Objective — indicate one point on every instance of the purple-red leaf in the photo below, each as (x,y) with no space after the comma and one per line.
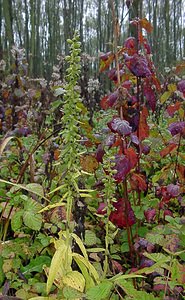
(123,214)
(110,140)
(138,65)
(120,126)
(150,97)
(130,43)
(150,214)
(173,190)
(177,127)
(181,86)
(123,167)
(100,153)
(125,163)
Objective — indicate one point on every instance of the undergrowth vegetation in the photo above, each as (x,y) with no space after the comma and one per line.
(92,205)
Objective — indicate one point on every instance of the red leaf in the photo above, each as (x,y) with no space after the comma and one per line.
(138,65)
(123,167)
(144,23)
(106,60)
(138,182)
(150,97)
(102,208)
(123,215)
(116,266)
(125,163)
(150,214)
(130,45)
(168,150)
(171,109)
(181,172)
(109,100)
(143,126)
(100,153)
(132,156)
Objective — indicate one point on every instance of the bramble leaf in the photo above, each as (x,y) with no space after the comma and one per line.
(120,126)
(168,149)
(138,65)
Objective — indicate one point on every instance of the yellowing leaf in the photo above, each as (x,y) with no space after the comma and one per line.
(59,266)
(172,87)
(165,96)
(88,265)
(75,280)
(6,141)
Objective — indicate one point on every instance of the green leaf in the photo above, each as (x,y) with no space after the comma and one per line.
(59,91)
(35,188)
(2,276)
(31,217)
(100,292)
(132,293)
(32,220)
(81,245)
(157,257)
(16,221)
(90,238)
(36,265)
(42,298)
(18,93)
(71,293)
(26,188)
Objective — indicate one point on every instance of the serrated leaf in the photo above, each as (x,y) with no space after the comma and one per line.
(100,292)
(20,186)
(32,220)
(35,188)
(32,205)
(133,293)
(71,293)
(157,257)
(16,220)
(31,217)
(90,238)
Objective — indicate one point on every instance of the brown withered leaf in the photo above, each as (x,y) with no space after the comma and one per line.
(88,163)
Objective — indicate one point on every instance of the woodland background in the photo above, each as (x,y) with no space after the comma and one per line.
(43,27)
(92,162)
